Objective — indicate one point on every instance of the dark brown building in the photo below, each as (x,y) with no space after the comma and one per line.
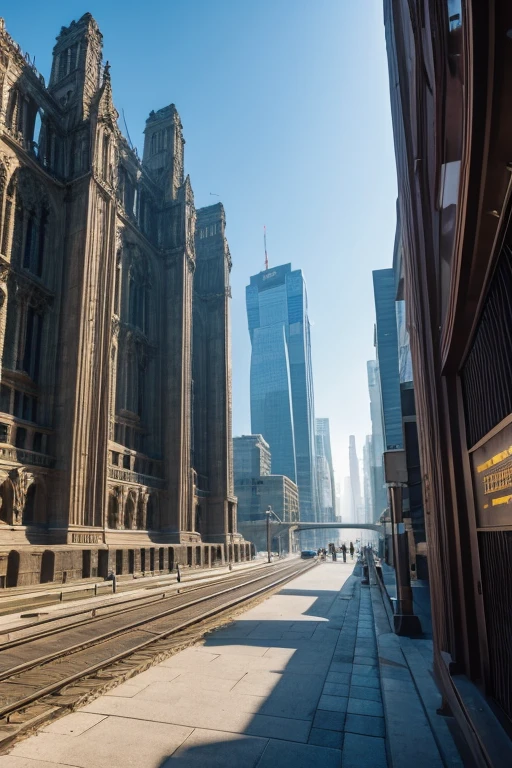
(450,65)
(115,402)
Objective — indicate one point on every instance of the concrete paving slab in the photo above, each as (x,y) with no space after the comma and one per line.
(74,725)
(279,728)
(336,689)
(367,726)
(217,749)
(365,681)
(289,755)
(359,692)
(333,703)
(341,678)
(361,750)
(10,761)
(332,721)
(324,738)
(364,707)
(113,743)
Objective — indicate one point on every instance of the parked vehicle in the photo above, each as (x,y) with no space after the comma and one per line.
(308,554)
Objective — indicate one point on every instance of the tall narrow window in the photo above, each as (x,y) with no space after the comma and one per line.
(105,159)
(141,390)
(32,351)
(41,243)
(30,237)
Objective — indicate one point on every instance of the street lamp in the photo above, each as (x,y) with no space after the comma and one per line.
(269,553)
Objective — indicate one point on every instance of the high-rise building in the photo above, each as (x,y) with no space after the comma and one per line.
(347,506)
(386,338)
(251,456)
(282,405)
(323,431)
(256,489)
(367,481)
(379,492)
(356,501)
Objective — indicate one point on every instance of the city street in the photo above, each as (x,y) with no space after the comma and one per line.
(310,676)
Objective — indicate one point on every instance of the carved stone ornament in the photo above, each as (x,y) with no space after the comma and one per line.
(21,481)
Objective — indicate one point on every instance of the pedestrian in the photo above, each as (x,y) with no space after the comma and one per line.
(351,550)
(344,552)
(334,555)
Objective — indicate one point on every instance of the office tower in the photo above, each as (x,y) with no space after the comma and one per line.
(346,510)
(355,482)
(323,430)
(386,338)
(256,489)
(369,513)
(379,492)
(282,406)
(251,456)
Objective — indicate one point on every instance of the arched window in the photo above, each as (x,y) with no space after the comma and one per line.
(113,511)
(29,509)
(11,109)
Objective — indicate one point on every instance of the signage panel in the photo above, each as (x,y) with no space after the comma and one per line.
(492,480)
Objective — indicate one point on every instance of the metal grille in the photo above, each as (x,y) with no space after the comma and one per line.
(495,558)
(487,373)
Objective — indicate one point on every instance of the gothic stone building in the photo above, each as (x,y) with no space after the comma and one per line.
(115,404)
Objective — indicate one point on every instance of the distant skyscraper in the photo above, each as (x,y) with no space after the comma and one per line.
(387,356)
(355,482)
(346,512)
(367,480)
(282,405)
(323,472)
(379,492)
(323,431)
(251,457)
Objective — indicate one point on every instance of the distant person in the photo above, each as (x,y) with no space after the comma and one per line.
(344,553)
(334,555)
(351,550)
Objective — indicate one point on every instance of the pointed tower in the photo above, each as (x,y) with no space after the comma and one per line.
(76,68)
(85,343)
(163,159)
(213,458)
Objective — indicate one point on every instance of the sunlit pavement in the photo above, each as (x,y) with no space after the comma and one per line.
(295,681)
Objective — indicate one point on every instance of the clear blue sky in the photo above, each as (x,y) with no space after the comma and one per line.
(285,108)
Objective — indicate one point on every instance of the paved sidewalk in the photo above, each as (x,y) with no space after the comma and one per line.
(294,681)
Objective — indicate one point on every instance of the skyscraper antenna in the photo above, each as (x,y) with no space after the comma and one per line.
(265,243)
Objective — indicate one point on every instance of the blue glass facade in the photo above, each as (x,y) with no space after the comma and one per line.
(282,405)
(387,356)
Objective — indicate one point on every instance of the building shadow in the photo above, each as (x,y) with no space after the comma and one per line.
(286,663)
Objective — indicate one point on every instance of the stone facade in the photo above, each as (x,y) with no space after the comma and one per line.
(115,404)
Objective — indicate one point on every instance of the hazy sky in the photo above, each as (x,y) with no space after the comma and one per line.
(285,108)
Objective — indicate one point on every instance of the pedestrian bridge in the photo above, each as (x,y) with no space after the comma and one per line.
(310,526)
(255,530)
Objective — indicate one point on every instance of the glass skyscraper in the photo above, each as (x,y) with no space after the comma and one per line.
(282,405)
(387,356)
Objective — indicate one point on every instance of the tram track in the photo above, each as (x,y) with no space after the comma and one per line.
(40,668)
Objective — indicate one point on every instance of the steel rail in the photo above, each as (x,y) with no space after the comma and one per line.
(119,607)
(55,686)
(114,614)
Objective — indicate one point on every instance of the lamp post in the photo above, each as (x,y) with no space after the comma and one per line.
(395,471)
(269,553)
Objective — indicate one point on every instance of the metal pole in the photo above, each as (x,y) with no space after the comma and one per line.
(405,621)
(269,553)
